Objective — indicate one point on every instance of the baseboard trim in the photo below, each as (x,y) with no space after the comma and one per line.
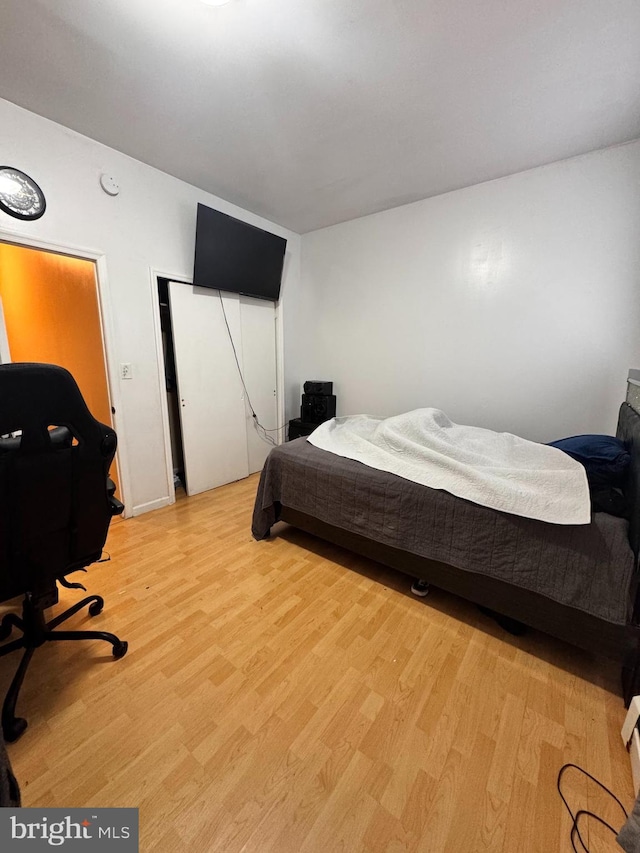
(151,505)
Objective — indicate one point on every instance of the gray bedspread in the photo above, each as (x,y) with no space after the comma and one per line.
(587,566)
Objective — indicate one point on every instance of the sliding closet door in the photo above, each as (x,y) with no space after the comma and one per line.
(210,393)
(258,325)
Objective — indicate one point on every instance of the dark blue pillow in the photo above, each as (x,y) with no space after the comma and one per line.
(604,457)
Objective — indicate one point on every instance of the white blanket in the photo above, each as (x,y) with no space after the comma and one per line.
(494,469)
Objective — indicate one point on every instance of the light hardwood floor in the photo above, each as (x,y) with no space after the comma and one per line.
(288,696)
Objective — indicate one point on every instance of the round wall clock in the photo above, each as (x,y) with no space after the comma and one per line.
(20,196)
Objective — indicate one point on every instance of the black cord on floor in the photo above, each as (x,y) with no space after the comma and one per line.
(584,812)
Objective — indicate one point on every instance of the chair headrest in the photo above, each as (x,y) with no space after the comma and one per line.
(36,397)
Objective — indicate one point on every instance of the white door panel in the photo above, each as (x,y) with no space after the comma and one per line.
(258,326)
(210,393)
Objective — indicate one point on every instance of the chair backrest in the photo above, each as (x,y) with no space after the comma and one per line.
(54,461)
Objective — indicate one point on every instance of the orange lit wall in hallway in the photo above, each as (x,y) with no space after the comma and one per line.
(51,314)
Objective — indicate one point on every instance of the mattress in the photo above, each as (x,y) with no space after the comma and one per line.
(588,567)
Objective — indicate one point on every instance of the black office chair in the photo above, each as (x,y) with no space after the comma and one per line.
(56,503)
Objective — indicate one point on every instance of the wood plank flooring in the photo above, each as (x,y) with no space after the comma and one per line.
(288,696)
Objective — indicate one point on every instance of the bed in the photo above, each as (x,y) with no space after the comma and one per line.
(576,582)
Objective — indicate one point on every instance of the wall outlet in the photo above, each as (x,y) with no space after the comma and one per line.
(126,371)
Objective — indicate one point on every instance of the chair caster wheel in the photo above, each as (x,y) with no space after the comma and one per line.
(95,607)
(120,650)
(14,729)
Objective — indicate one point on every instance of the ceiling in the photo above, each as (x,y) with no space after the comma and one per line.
(312,112)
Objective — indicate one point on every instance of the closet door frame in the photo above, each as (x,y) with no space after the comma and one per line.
(154,275)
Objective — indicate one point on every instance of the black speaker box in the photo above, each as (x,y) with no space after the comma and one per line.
(318,386)
(317,408)
(298,429)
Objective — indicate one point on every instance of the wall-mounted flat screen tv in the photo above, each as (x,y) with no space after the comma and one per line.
(234,256)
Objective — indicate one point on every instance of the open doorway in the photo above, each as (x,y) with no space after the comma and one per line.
(51,313)
(171,386)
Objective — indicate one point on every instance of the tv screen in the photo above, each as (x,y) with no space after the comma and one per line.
(235,256)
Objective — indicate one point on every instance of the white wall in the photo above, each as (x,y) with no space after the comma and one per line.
(149,227)
(513,305)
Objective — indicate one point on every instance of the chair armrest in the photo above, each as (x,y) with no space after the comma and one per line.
(117,507)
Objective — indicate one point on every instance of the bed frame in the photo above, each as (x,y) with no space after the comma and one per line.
(620,643)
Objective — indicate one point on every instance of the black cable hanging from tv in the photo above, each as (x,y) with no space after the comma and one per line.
(264,435)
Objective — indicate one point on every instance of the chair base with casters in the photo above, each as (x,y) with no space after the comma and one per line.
(36,632)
